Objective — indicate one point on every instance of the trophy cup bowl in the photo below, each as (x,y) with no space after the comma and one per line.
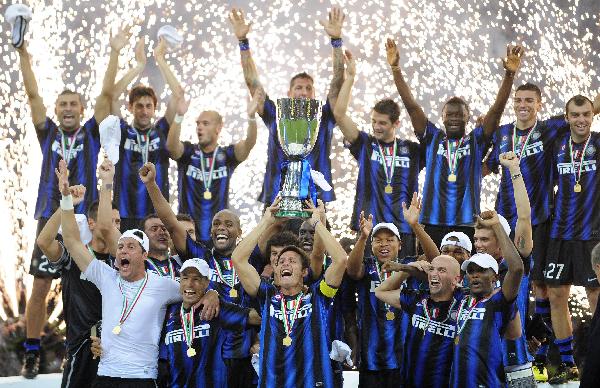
(298,121)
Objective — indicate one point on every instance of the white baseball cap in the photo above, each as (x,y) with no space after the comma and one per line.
(386,225)
(505,224)
(458,239)
(139,236)
(483,260)
(171,36)
(200,264)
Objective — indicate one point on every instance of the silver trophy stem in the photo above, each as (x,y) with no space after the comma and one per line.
(291,205)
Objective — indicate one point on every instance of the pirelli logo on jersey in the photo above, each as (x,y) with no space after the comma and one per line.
(374,285)
(463,151)
(531,149)
(567,168)
(196,173)
(56,148)
(477,313)
(213,276)
(305,310)
(399,161)
(132,145)
(173,336)
(434,327)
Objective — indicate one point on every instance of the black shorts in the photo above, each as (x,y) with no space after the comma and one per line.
(240,373)
(386,378)
(541,240)
(437,233)
(568,262)
(40,267)
(80,367)
(117,382)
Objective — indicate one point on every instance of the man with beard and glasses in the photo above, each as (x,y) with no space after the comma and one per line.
(225,230)
(453,160)
(294,334)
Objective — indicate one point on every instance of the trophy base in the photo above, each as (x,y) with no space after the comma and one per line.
(292,214)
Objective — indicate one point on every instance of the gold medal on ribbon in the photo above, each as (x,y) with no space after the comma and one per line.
(456,340)
(388,189)
(577,188)
(207,195)
(287,341)
(116,330)
(233,293)
(390,315)
(191,352)
(452,177)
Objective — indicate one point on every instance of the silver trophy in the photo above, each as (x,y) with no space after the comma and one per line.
(298,122)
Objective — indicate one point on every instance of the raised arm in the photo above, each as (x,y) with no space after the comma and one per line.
(356,267)
(511,65)
(38,109)
(523,231)
(247,274)
(512,279)
(133,73)
(333,28)
(169,78)
(174,144)
(70,231)
(241,29)
(389,290)
(242,148)
(104,100)
(109,232)
(347,126)
(318,250)
(411,216)
(415,112)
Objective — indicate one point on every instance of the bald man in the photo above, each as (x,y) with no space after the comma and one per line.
(205,168)
(430,335)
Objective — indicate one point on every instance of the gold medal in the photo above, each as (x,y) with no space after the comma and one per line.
(191,352)
(390,315)
(233,293)
(116,330)
(388,189)
(287,341)
(207,195)
(456,339)
(577,188)
(452,178)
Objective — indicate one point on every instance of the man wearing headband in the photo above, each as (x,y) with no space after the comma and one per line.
(301,86)
(294,334)
(78,146)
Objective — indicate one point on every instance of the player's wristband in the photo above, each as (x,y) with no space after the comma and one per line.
(510,73)
(107,186)
(178,119)
(336,42)
(253,119)
(66,202)
(515,176)
(244,44)
(315,224)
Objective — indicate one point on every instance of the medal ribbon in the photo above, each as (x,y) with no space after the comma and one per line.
(578,172)
(187,323)
(382,277)
(289,324)
(222,277)
(428,314)
(516,138)
(460,328)
(453,157)
(145,146)
(389,174)
(157,268)
(127,308)
(208,181)
(91,251)
(71,142)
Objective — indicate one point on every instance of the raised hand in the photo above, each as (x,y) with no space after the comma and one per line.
(269,214)
(256,101)
(392,53)
(78,193)
(160,49)
(513,58)
(140,52)
(63,177)
(182,104)
(121,39)
(350,64)
(240,27)
(392,266)
(333,24)
(489,218)
(509,160)
(412,213)
(147,173)
(318,213)
(365,225)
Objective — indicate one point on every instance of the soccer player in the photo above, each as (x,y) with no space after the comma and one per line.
(429,342)
(294,337)
(590,376)
(78,145)
(225,231)
(457,245)
(517,360)
(134,301)
(484,315)
(575,226)
(453,163)
(205,168)
(301,86)
(388,167)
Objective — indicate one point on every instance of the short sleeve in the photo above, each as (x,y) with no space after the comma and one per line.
(269,112)
(430,132)
(361,141)
(188,151)
(233,317)
(478,135)
(45,130)
(408,298)
(194,249)
(230,158)
(265,290)
(171,288)
(493,160)
(162,125)
(92,128)
(99,273)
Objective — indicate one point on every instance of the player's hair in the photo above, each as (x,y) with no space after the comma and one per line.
(457,100)
(596,255)
(578,100)
(139,91)
(480,225)
(388,107)
(67,92)
(282,239)
(184,217)
(299,251)
(92,209)
(530,87)
(216,114)
(303,75)
(150,216)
